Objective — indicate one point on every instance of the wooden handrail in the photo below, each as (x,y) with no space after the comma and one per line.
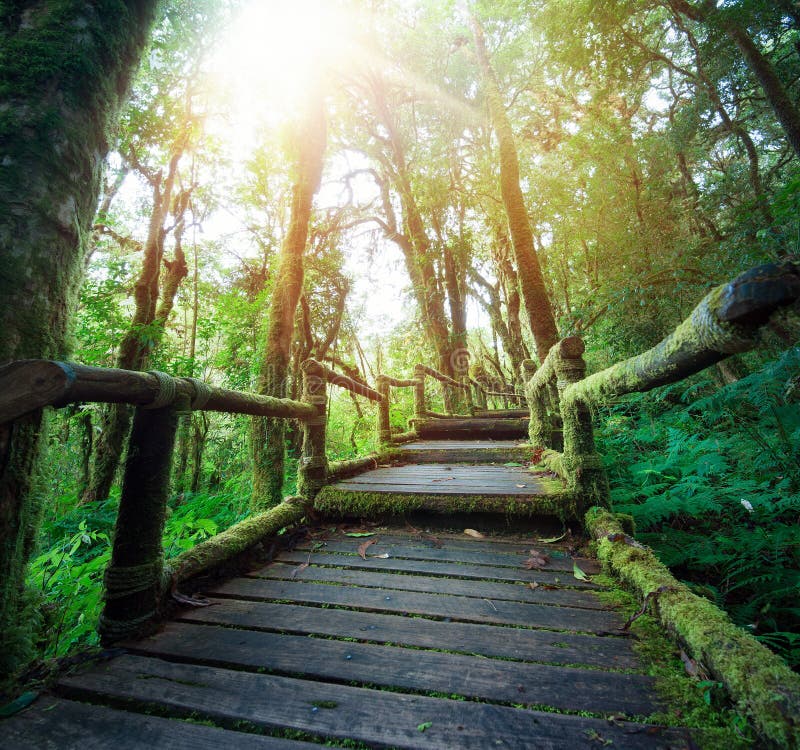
(313,369)
(26,385)
(727,320)
(441,377)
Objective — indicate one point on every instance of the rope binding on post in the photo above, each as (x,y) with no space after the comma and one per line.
(166,390)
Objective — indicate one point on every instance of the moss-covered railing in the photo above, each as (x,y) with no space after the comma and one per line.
(138,580)
(727,321)
(384,385)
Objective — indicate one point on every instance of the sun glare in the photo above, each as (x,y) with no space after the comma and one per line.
(272,54)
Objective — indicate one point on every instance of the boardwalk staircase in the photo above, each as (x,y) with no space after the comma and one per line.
(341,617)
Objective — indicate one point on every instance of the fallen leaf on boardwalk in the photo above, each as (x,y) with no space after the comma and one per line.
(578,573)
(445,479)
(384,556)
(522,485)
(534,585)
(412,529)
(435,541)
(300,568)
(425,725)
(362,549)
(474,534)
(360,533)
(17,705)
(535,561)
(553,540)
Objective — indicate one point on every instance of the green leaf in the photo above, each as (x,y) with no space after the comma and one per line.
(17,705)
(360,533)
(425,725)
(578,573)
(553,539)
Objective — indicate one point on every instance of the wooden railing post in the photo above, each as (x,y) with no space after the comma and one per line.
(384,425)
(420,409)
(133,579)
(312,472)
(586,476)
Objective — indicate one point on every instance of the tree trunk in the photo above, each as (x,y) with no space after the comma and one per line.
(534,292)
(267,435)
(776,94)
(413,240)
(149,320)
(55,119)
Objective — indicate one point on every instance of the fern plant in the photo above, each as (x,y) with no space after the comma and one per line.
(712,478)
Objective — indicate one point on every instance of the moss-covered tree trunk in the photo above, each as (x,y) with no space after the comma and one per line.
(413,240)
(534,292)
(153,305)
(267,434)
(65,68)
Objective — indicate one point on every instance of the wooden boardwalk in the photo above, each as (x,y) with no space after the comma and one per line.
(426,642)
(400,639)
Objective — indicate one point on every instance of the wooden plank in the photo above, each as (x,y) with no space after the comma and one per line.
(377,718)
(553,596)
(440,489)
(433,605)
(558,560)
(500,429)
(563,688)
(59,724)
(524,645)
(443,569)
(422,445)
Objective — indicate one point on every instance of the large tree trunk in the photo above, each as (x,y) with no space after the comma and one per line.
(55,118)
(415,244)
(267,435)
(149,319)
(534,292)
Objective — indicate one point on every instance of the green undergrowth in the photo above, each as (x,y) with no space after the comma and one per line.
(65,579)
(687,701)
(711,477)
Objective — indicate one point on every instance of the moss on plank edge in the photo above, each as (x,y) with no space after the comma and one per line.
(235,540)
(337,501)
(760,683)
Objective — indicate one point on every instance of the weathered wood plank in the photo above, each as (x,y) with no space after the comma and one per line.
(525,645)
(444,569)
(59,724)
(557,560)
(499,429)
(563,688)
(423,445)
(444,488)
(377,718)
(432,605)
(455,587)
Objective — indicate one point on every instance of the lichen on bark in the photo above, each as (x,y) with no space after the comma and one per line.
(65,67)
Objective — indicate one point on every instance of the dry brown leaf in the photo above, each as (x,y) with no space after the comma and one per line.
(435,541)
(362,548)
(533,585)
(535,561)
(299,569)
(474,534)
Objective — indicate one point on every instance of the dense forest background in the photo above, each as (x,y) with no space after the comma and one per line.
(657,147)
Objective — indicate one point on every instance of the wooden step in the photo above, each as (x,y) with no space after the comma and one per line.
(472,428)
(465,451)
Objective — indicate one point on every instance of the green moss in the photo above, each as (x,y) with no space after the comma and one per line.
(337,501)
(760,683)
(236,539)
